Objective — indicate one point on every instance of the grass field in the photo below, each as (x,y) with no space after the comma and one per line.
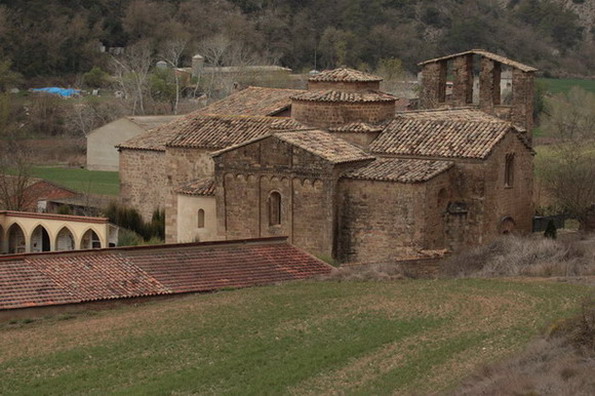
(82,180)
(557,85)
(298,338)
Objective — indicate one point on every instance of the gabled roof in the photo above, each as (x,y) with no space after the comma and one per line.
(325,145)
(144,122)
(455,133)
(150,122)
(42,279)
(200,187)
(254,101)
(154,139)
(216,131)
(344,74)
(399,170)
(486,54)
(344,97)
(319,143)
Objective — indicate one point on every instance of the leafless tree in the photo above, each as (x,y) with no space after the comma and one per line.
(15,176)
(132,72)
(568,172)
(171,53)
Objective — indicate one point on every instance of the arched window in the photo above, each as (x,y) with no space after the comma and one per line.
(90,240)
(16,239)
(200,222)
(274,208)
(40,240)
(509,170)
(64,240)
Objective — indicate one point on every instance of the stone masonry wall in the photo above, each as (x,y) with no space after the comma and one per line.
(247,176)
(330,114)
(182,165)
(143,182)
(387,222)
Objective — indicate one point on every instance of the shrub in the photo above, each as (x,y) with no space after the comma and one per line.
(514,256)
(96,78)
(550,230)
(130,219)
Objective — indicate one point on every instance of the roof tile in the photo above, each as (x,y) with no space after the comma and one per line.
(325,145)
(459,133)
(342,96)
(344,74)
(80,276)
(399,170)
(255,101)
(200,187)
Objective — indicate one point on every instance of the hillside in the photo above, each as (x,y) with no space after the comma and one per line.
(299,338)
(63,37)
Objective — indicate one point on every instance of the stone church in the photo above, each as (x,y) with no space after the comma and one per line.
(340,172)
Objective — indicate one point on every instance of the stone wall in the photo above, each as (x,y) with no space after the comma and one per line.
(332,114)
(143,182)
(247,176)
(182,165)
(386,221)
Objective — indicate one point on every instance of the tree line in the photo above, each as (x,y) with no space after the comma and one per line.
(62,37)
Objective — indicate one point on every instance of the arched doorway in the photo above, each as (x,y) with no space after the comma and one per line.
(90,240)
(64,240)
(40,240)
(16,239)
(506,226)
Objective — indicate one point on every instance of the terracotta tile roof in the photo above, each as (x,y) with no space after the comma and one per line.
(256,101)
(154,139)
(201,187)
(217,131)
(288,124)
(41,279)
(325,145)
(150,122)
(358,127)
(486,54)
(344,74)
(341,96)
(399,170)
(459,133)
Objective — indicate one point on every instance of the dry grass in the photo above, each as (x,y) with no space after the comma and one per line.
(560,363)
(375,272)
(522,256)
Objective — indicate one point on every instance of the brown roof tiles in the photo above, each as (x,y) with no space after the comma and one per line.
(399,170)
(344,74)
(42,279)
(459,133)
(200,187)
(255,101)
(325,145)
(358,127)
(217,131)
(341,96)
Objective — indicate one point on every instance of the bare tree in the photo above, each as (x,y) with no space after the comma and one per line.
(171,53)
(132,72)
(15,177)
(568,172)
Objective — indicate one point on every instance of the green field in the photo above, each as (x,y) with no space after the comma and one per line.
(411,336)
(81,180)
(558,85)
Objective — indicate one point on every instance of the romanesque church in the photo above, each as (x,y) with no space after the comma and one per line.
(343,174)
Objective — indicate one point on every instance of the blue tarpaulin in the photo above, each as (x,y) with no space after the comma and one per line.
(66,92)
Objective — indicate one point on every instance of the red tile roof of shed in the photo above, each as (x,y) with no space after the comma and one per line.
(41,279)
